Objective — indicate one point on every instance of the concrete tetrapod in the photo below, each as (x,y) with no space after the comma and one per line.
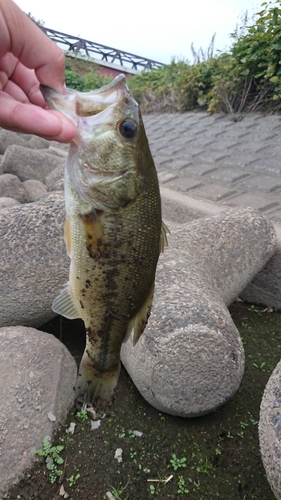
(270,430)
(34,264)
(190,358)
(36,392)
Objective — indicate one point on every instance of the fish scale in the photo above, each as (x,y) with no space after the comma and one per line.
(113,231)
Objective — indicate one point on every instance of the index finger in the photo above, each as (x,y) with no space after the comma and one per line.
(21,36)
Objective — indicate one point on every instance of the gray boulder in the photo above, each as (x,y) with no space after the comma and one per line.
(34,189)
(36,142)
(41,374)
(33,259)
(28,163)
(7,202)
(55,180)
(12,187)
(59,150)
(8,138)
(190,358)
(270,431)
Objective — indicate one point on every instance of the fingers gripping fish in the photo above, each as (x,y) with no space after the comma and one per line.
(113,230)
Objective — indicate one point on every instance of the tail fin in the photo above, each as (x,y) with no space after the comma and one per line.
(94,387)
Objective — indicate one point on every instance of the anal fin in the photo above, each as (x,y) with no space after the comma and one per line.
(63,304)
(67,237)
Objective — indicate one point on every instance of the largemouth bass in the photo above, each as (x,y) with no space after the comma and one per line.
(113,230)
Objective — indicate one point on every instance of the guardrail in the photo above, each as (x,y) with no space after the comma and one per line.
(105,53)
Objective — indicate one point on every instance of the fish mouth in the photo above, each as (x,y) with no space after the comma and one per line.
(77,105)
(92,103)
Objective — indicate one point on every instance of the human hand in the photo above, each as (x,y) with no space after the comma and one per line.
(27,58)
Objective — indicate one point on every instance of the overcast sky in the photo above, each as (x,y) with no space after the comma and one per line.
(146,28)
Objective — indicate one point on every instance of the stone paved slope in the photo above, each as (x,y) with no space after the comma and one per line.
(216,159)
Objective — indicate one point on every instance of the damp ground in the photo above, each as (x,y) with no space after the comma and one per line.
(170,458)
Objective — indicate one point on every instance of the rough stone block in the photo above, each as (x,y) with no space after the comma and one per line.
(7,202)
(36,142)
(239,160)
(12,187)
(228,175)
(34,189)
(8,138)
(190,358)
(265,183)
(201,168)
(33,260)
(184,183)
(166,176)
(270,431)
(213,192)
(41,374)
(271,165)
(265,288)
(55,180)
(251,200)
(28,163)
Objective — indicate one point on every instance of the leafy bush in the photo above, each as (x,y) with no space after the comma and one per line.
(83,77)
(248,77)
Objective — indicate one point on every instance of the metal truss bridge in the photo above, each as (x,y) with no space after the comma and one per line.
(103,53)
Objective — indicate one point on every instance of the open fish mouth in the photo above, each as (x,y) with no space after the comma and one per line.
(91,103)
(76,104)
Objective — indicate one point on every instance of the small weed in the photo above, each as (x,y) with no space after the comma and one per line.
(152,489)
(72,480)
(52,459)
(229,435)
(181,486)
(259,367)
(243,425)
(254,422)
(177,462)
(117,492)
(217,451)
(203,466)
(131,434)
(253,308)
(82,414)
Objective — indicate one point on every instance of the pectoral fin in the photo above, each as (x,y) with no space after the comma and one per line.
(95,242)
(64,305)
(139,322)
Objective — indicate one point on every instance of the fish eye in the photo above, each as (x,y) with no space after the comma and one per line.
(128,128)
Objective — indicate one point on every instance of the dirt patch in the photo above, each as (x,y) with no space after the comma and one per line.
(215,456)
